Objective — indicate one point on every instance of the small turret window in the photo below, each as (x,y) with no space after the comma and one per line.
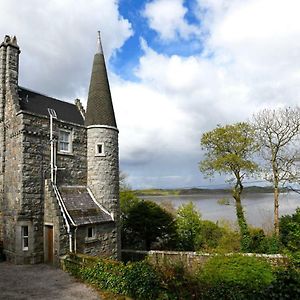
(24,237)
(99,149)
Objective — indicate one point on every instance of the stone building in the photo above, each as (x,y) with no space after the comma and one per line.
(59,168)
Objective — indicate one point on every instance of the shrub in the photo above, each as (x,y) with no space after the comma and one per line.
(141,281)
(234,277)
(260,243)
(178,283)
(290,231)
(138,280)
(211,234)
(285,286)
(229,242)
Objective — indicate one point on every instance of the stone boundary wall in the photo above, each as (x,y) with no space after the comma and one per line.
(77,259)
(193,259)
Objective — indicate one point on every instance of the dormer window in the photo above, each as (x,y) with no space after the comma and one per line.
(99,149)
(65,141)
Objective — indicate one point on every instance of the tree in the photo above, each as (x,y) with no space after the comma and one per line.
(193,233)
(188,225)
(128,197)
(277,131)
(229,150)
(146,223)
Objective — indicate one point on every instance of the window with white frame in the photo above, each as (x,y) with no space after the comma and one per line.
(99,149)
(24,237)
(64,141)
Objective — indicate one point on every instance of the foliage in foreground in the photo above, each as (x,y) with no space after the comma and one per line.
(290,231)
(290,235)
(235,277)
(221,277)
(137,280)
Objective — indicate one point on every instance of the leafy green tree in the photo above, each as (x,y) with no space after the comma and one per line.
(278,134)
(147,223)
(211,234)
(229,150)
(193,233)
(127,200)
(188,225)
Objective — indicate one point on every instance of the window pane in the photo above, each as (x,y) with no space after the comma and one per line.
(25,231)
(64,141)
(99,149)
(90,232)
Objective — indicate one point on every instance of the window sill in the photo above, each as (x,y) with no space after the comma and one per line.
(90,240)
(65,153)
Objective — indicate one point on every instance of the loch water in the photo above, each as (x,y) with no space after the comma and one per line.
(258,207)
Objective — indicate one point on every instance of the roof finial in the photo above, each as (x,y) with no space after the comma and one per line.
(99,45)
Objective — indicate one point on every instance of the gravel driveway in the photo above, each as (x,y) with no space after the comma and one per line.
(42,282)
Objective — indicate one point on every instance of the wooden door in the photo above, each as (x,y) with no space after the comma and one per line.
(49,244)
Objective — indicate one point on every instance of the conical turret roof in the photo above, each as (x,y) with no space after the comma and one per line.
(100,109)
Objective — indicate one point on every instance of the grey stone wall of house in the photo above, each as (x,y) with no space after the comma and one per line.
(12,156)
(103,171)
(53,218)
(72,168)
(12,181)
(103,244)
(36,168)
(2,99)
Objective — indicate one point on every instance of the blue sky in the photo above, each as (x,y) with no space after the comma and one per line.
(177,68)
(127,57)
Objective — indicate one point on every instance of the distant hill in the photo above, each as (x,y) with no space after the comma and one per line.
(197,191)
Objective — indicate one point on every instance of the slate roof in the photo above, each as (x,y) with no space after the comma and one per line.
(100,109)
(81,207)
(37,103)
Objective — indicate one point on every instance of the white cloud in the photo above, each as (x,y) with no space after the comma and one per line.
(58,40)
(167,17)
(251,60)
(149,122)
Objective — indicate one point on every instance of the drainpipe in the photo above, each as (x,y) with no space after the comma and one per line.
(53,181)
(66,216)
(52,152)
(75,239)
(70,242)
